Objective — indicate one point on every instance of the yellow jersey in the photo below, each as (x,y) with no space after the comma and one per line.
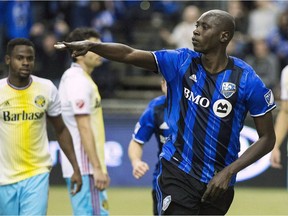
(24,150)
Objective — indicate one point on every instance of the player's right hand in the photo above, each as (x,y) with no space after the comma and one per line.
(276,158)
(76,182)
(101,180)
(139,169)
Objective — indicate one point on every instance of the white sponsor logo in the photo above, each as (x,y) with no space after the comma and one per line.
(197,99)
(164,126)
(166,202)
(193,77)
(222,108)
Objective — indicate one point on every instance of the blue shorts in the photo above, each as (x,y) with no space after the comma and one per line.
(89,201)
(27,197)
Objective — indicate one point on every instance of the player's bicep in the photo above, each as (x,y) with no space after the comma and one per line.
(284,106)
(264,124)
(57,123)
(83,122)
(143,59)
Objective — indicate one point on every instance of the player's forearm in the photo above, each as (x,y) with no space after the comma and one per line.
(265,144)
(88,142)
(256,151)
(87,139)
(112,51)
(125,54)
(281,128)
(66,144)
(135,151)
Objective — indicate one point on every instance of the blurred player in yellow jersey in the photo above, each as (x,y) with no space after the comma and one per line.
(26,102)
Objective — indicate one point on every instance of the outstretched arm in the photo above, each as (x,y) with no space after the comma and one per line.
(112,51)
(135,152)
(65,142)
(220,182)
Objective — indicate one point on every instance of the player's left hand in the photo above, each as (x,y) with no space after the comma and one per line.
(76,182)
(217,186)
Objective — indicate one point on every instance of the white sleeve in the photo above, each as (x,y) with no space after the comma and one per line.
(79,94)
(284,84)
(54,106)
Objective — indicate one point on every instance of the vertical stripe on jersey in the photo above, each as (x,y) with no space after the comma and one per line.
(26,134)
(228,120)
(204,150)
(24,138)
(187,122)
(159,195)
(158,116)
(201,120)
(168,100)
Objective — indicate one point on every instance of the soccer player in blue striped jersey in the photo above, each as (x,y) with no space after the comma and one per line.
(209,95)
(152,121)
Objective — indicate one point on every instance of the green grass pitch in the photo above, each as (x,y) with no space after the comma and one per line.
(138,201)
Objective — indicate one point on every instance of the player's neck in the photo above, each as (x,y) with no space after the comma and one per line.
(19,83)
(214,64)
(87,69)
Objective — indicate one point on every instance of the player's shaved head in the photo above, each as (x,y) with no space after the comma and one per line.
(223,20)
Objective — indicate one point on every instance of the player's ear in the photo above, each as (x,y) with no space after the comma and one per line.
(225,37)
(7,59)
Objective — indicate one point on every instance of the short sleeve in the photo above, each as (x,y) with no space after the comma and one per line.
(284,84)
(145,127)
(54,106)
(260,99)
(79,94)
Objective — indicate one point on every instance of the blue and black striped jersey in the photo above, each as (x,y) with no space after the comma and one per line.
(153,121)
(207,111)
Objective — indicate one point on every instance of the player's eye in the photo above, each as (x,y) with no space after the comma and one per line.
(205,27)
(30,59)
(19,58)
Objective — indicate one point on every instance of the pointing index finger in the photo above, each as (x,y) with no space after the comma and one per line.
(59,45)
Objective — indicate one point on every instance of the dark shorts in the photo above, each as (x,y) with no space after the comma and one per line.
(155,211)
(180,194)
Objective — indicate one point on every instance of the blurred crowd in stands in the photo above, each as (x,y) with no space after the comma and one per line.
(261,32)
